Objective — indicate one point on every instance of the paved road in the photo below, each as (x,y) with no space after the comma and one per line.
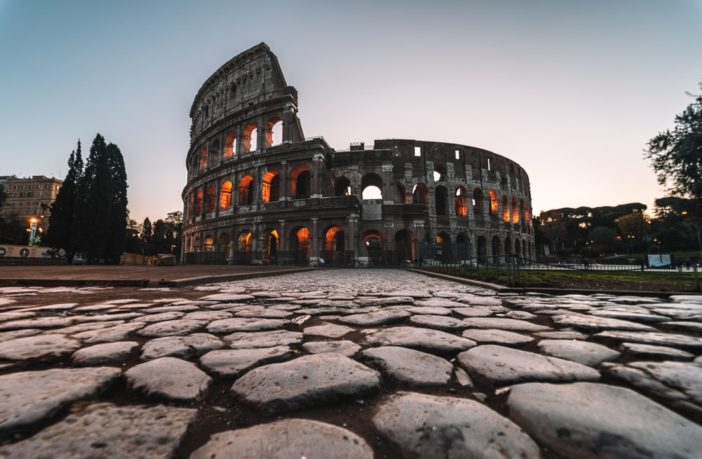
(347,364)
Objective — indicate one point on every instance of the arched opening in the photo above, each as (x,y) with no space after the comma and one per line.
(373,243)
(400,194)
(225,195)
(515,210)
(209,243)
(493,202)
(300,244)
(270,246)
(461,202)
(211,197)
(334,245)
(191,205)
(249,139)
(300,179)
(482,250)
(224,245)
(477,202)
(462,247)
(270,187)
(243,247)
(372,186)
(420,194)
(246,191)
(342,187)
(203,158)
(405,247)
(496,249)
(274,132)
(230,145)
(441,200)
(505,209)
(196,244)
(517,249)
(199,200)
(443,247)
(508,247)
(525,250)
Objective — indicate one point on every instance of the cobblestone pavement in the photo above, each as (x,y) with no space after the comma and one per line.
(347,364)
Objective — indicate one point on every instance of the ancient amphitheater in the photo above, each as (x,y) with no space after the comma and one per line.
(258,191)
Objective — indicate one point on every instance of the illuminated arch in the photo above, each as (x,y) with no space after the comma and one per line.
(203,158)
(274,132)
(249,138)
(342,187)
(505,209)
(420,194)
(461,202)
(478,201)
(494,206)
(300,181)
(246,191)
(230,145)
(270,187)
(225,195)
(211,198)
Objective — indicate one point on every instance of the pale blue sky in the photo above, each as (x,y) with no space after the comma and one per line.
(570,90)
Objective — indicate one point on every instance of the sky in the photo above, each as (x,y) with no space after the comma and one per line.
(571,90)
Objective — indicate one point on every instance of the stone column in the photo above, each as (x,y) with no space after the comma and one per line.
(284,192)
(387,183)
(316,191)
(314,247)
(261,135)
(237,142)
(218,186)
(282,243)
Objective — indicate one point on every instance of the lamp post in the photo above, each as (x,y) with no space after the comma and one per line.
(33,231)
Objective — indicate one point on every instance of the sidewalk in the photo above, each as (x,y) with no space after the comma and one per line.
(134,276)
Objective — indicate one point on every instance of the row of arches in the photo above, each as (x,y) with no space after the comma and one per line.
(237,142)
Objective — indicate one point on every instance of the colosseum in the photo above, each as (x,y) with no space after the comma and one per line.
(259,191)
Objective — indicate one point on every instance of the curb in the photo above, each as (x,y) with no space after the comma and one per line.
(75,282)
(550,290)
(224,277)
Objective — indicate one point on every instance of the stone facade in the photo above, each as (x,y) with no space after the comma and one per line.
(259,191)
(30,198)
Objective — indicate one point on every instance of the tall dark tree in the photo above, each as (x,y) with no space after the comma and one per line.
(63,208)
(101,206)
(146,230)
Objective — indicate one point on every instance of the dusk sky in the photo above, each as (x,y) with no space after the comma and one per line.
(570,90)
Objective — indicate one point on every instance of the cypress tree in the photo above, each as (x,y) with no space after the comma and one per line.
(63,208)
(119,215)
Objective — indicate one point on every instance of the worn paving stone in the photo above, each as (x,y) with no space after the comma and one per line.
(503,324)
(689,326)
(176,327)
(169,378)
(328,330)
(589,420)
(103,430)
(420,338)
(409,366)
(504,365)
(384,301)
(233,362)
(208,315)
(599,323)
(110,334)
(39,322)
(103,353)
(32,396)
(183,347)
(229,297)
(676,381)
(433,310)
(343,347)
(590,354)
(665,339)
(440,322)
(475,311)
(655,352)
(439,303)
(247,340)
(264,313)
(375,318)
(632,316)
(36,346)
(487,336)
(161,317)
(10,335)
(561,334)
(428,426)
(288,438)
(245,324)
(307,381)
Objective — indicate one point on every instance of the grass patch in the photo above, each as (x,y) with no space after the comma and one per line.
(599,280)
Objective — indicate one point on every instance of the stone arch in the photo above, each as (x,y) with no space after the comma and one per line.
(461,202)
(342,186)
(300,238)
(494,206)
(496,249)
(439,174)
(271,242)
(225,195)
(441,200)
(196,243)
(463,248)
(211,197)
(224,245)
(371,186)
(508,246)
(208,243)
(199,201)
(229,145)
(334,244)
(443,242)
(420,194)
(505,209)
(515,210)
(246,190)
(270,187)
(482,250)
(300,182)
(478,201)
(203,158)
(405,246)
(249,138)
(244,245)
(373,246)
(517,248)
(274,132)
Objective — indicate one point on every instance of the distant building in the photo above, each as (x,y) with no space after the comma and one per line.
(29,198)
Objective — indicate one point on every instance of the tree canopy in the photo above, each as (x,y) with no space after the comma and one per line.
(676,154)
